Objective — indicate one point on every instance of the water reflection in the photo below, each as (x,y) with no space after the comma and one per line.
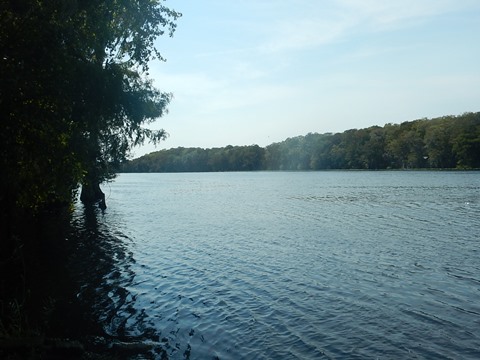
(101,268)
(245,266)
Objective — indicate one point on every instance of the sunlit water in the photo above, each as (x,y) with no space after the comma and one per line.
(286,265)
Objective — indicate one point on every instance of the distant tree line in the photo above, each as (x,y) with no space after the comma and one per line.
(451,142)
(229,158)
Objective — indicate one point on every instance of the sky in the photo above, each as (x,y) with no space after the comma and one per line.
(260,71)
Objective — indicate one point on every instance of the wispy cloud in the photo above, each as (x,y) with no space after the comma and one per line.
(207,94)
(395,13)
(330,22)
(303,34)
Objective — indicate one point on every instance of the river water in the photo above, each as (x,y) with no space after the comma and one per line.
(284,265)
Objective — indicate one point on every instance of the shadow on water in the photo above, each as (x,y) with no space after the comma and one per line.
(100,265)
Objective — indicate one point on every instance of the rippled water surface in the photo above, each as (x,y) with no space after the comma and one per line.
(286,265)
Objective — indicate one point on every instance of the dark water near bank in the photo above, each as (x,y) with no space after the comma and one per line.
(285,265)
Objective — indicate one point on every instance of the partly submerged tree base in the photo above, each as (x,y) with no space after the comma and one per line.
(92,194)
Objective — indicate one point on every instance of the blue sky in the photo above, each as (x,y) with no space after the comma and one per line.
(259,71)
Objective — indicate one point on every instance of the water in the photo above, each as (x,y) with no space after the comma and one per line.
(285,265)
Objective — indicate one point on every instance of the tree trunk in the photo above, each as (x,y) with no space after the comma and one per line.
(92,194)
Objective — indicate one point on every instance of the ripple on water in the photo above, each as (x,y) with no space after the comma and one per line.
(288,265)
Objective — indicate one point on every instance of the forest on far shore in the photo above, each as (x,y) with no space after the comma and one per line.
(448,142)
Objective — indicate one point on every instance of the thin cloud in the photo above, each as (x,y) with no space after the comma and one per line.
(332,22)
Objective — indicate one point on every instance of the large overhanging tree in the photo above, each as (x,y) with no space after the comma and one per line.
(74,96)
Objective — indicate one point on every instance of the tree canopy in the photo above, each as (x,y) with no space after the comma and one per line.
(75,93)
(445,142)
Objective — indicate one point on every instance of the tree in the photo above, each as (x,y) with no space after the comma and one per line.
(466,141)
(75,93)
(374,151)
(74,98)
(438,145)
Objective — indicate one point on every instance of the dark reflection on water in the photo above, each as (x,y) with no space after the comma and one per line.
(101,267)
(283,266)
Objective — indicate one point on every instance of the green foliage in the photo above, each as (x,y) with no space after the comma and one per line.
(230,158)
(446,142)
(75,92)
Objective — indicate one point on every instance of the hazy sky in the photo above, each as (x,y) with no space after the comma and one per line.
(259,71)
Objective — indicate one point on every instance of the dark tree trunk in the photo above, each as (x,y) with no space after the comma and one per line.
(92,194)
